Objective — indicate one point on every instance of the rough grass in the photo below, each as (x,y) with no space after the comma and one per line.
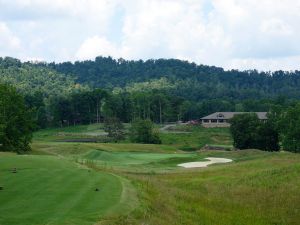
(71,132)
(264,190)
(52,190)
(196,137)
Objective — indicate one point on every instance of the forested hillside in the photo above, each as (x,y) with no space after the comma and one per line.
(30,79)
(160,90)
(191,81)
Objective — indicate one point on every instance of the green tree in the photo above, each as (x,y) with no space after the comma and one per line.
(290,129)
(249,132)
(142,131)
(114,128)
(99,96)
(267,136)
(244,129)
(16,124)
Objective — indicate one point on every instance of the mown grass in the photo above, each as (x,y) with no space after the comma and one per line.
(52,190)
(125,157)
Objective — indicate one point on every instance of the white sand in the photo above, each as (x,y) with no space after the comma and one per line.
(212,160)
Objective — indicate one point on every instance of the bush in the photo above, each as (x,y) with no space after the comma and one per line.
(114,128)
(142,131)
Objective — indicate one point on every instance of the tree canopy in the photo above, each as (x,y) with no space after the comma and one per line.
(16,124)
(290,129)
(250,132)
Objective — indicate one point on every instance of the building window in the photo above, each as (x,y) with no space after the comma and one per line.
(221,121)
(205,121)
(213,121)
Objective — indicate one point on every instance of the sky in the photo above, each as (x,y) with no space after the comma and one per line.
(233,34)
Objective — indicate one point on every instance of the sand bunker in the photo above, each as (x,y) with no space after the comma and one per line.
(212,160)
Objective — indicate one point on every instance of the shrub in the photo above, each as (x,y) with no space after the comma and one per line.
(142,131)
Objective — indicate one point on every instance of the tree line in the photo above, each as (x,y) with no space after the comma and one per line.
(93,106)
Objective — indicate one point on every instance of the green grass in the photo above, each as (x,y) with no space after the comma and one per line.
(52,190)
(71,132)
(258,187)
(196,137)
(129,157)
(139,161)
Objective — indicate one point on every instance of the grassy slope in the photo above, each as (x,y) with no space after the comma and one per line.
(195,137)
(51,190)
(258,188)
(124,156)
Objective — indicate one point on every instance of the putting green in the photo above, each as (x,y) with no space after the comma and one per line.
(52,190)
(143,160)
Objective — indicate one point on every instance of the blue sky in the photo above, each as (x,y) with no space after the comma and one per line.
(234,34)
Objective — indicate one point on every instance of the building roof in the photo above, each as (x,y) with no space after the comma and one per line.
(229,115)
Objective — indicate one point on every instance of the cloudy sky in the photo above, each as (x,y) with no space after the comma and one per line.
(240,34)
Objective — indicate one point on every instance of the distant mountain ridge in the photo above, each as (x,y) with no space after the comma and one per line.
(182,78)
(192,81)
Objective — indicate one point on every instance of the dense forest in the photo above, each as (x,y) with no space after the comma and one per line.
(188,80)
(163,90)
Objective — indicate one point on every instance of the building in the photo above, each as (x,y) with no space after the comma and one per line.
(220,119)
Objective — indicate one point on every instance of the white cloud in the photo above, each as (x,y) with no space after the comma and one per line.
(236,33)
(276,27)
(8,41)
(96,46)
(269,64)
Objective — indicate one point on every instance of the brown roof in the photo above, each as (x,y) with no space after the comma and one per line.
(229,115)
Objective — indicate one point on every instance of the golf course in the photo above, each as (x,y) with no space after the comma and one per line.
(74,182)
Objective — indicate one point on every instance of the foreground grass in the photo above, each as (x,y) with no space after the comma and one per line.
(264,190)
(52,190)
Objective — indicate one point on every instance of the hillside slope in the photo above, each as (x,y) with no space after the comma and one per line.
(30,79)
(192,81)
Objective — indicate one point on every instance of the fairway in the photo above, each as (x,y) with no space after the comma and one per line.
(52,190)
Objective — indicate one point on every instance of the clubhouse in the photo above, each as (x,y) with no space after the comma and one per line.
(221,119)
